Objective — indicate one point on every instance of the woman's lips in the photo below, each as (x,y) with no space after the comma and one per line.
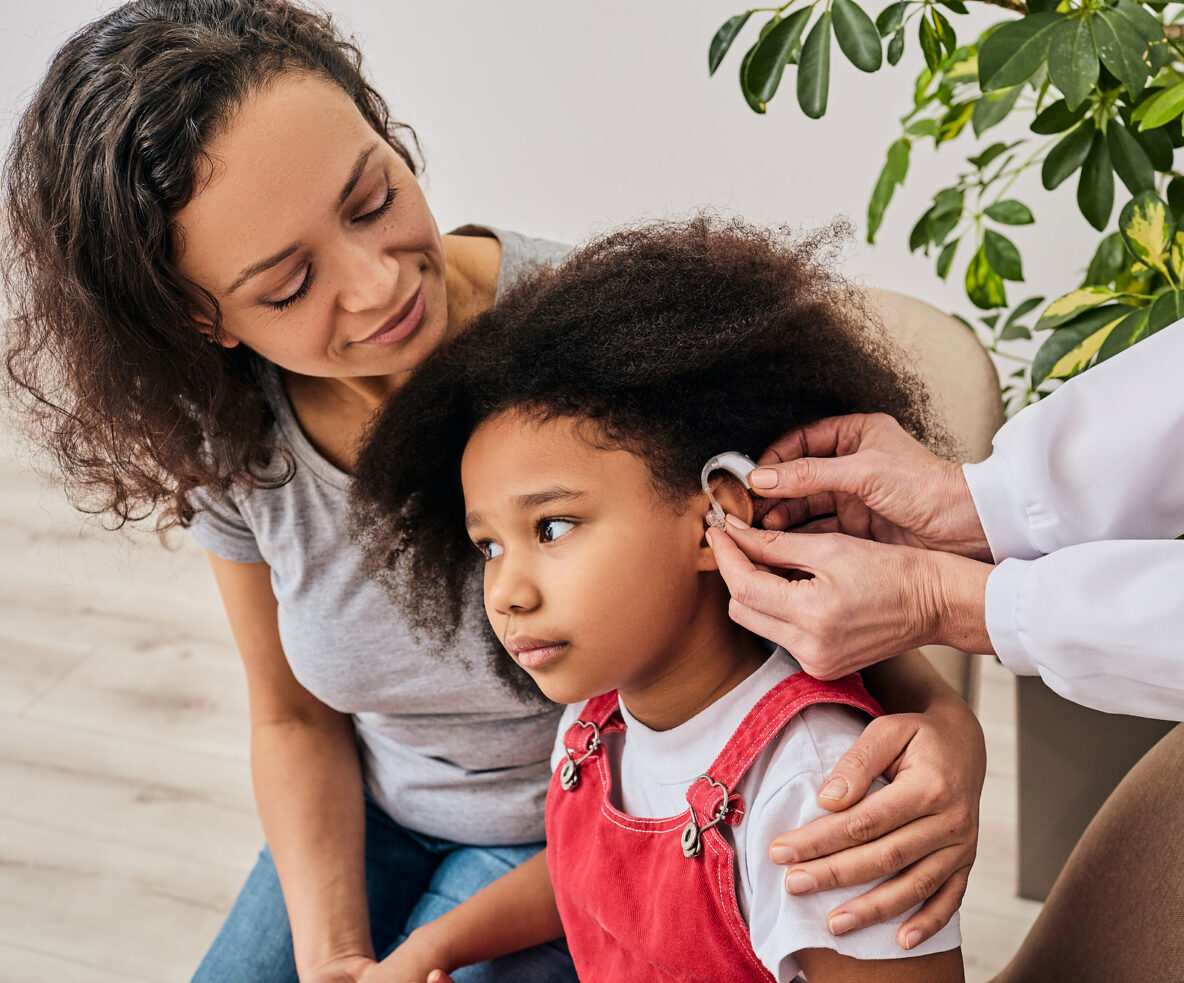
(401,324)
(534,653)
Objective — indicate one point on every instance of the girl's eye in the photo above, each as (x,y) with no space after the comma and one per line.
(299,292)
(551,529)
(379,209)
(489,549)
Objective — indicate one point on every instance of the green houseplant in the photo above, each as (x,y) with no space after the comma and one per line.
(1100,84)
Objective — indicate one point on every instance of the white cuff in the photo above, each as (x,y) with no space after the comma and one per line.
(1000,509)
(1002,599)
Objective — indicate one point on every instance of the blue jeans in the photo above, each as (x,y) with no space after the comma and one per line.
(410,879)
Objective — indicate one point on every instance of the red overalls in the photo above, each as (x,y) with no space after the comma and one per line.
(654,899)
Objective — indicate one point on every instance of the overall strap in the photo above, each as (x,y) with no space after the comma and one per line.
(600,715)
(761,725)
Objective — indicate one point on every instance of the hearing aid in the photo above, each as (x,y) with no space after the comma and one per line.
(739,466)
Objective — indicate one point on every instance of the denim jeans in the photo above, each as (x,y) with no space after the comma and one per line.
(410,879)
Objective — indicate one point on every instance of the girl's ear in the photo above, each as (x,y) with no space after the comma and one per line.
(735,500)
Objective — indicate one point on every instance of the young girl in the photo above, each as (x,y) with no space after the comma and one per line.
(563,436)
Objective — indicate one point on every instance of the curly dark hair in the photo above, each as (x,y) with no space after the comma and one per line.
(102,348)
(678,340)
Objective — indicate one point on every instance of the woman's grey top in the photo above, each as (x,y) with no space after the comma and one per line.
(446,749)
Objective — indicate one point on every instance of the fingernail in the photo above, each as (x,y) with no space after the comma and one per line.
(912,939)
(799,882)
(836,788)
(763,478)
(783,854)
(737,522)
(840,924)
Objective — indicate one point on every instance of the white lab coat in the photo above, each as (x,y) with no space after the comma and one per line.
(1082,501)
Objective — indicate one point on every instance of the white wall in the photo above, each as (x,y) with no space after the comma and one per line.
(560,118)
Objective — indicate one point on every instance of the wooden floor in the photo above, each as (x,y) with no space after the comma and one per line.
(126,819)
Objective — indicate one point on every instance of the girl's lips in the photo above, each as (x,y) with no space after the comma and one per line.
(534,654)
(401,325)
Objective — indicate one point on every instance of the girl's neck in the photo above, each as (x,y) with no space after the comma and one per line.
(714,657)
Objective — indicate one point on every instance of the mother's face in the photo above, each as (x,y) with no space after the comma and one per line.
(314,237)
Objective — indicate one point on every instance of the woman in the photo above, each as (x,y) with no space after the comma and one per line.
(213,289)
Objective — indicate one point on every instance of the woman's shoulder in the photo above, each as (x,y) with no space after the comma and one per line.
(518,253)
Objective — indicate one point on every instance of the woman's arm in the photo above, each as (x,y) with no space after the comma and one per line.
(922,828)
(827,966)
(308,788)
(515,912)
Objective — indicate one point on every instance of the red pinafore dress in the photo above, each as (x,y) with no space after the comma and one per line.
(655,899)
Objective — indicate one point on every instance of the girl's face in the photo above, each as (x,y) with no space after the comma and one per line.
(592,581)
(315,237)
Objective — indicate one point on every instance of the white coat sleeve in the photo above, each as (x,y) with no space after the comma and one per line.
(1082,501)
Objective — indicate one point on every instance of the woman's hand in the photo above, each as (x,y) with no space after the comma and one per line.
(861,603)
(418,960)
(863,475)
(921,831)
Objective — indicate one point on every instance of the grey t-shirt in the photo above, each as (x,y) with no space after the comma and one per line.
(446,748)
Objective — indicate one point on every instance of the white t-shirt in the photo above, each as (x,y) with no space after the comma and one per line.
(653,769)
(1082,501)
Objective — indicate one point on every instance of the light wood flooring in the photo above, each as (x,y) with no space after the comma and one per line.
(126,818)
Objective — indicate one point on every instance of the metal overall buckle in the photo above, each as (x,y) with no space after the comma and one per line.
(569,774)
(692,834)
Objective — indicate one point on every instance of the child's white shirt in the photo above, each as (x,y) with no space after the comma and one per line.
(653,769)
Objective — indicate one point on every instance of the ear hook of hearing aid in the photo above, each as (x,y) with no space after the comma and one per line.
(740,466)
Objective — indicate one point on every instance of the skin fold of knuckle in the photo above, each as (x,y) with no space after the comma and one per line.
(890,859)
(923,886)
(859,826)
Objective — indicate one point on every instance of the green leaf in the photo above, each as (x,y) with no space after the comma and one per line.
(1167,309)
(1021,310)
(946,257)
(1002,255)
(1013,53)
(1095,188)
(993,108)
(957,6)
(1072,60)
(919,236)
(944,30)
(1150,29)
(984,286)
(1125,333)
(992,152)
(896,47)
(1163,108)
(857,35)
(1158,146)
(1129,159)
(1014,332)
(1147,228)
(723,40)
(1066,308)
(1071,347)
(1176,199)
(1122,50)
(930,44)
(814,70)
(891,18)
(923,128)
(1009,212)
(1057,118)
(753,102)
(772,55)
(945,214)
(896,167)
(1109,261)
(1068,155)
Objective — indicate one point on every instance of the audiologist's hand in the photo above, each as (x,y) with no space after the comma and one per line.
(863,475)
(849,602)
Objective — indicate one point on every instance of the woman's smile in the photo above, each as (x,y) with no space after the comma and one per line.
(400,325)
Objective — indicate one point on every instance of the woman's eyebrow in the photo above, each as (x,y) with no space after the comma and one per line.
(532,500)
(355,175)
